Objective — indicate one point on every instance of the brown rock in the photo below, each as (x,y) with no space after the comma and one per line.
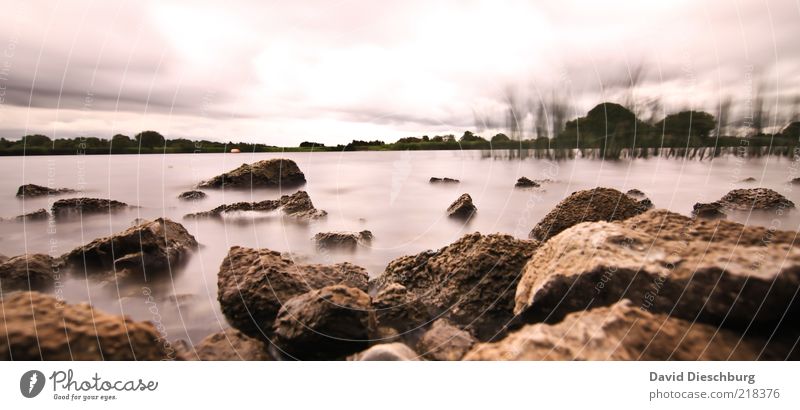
(524,182)
(231,344)
(270,173)
(444,341)
(435,180)
(32,191)
(29,272)
(346,240)
(193,195)
(709,211)
(755,199)
(74,207)
(297,205)
(37,215)
(462,207)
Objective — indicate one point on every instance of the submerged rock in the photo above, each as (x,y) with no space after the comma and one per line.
(253,284)
(387,352)
(41,327)
(37,215)
(148,248)
(524,182)
(297,205)
(716,272)
(435,180)
(328,323)
(193,195)
(755,199)
(345,240)
(471,282)
(270,173)
(711,210)
(444,341)
(85,206)
(598,204)
(748,179)
(622,331)
(32,191)
(462,207)
(29,272)
(231,344)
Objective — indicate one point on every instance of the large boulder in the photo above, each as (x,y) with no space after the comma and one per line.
(231,344)
(41,327)
(524,182)
(328,323)
(148,248)
(343,240)
(297,205)
(471,282)
(710,271)
(444,341)
(73,207)
(622,331)
(598,204)
(29,272)
(270,173)
(33,191)
(755,199)
(37,215)
(253,284)
(386,352)
(462,207)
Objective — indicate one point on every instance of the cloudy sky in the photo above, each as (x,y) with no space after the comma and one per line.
(279,72)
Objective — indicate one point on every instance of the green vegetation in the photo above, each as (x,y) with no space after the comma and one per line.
(608,127)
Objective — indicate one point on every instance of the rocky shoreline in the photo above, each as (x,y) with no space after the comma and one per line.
(604,276)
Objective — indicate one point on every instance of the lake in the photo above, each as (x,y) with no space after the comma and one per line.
(387,193)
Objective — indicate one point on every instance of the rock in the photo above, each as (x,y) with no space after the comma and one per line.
(795,181)
(645,204)
(462,207)
(396,311)
(193,195)
(347,240)
(32,191)
(328,323)
(253,284)
(471,282)
(526,183)
(445,180)
(297,205)
(444,341)
(387,352)
(148,248)
(270,173)
(41,327)
(619,332)
(711,210)
(598,204)
(85,206)
(748,179)
(29,272)
(635,193)
(36,215)
(715,272)
(231,344)
(754,199)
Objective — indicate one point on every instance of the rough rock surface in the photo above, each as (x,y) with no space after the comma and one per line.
(193,195)
(29,272)
(37,215)
(471,282)
(635,193)
(622,331)
(435,180)
(396,309)
(598,204)
(85,206)
(462,207)
(346,240)
(716,272)
(328,323)
(297,205)
(231,344)
(444,341)
(711,210)
(33,190)
(524,182)
(271,173)
(37,326)
(148,248)
(755,199)
(387,352)
(253,284)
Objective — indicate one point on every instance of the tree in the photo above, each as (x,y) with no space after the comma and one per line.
(500,138)
(470,137)
(121,141)
(307,144)
(688,123)
(792,130)
(36,140)
(150,139)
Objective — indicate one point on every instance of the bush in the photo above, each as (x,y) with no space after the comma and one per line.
(688,124)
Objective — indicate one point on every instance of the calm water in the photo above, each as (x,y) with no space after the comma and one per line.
(385,192)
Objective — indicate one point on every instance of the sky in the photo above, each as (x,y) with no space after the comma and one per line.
(279,72)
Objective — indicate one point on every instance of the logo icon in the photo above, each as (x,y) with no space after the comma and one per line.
(31,383)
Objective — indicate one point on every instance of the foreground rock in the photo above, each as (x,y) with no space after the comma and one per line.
(40,327)
(192,195)
(37,215)
(444,341)
(524,182)
(148,248)
(711,210)
(270,173)
(621,332)
(253,284)
(435,180)
(387,352)
(33,191)
(231,344)
(598,204)
(471,282)
(342,240)
(29,272)
(328,323)
(462,207)
(74,207)
(755,199)
(297,205)
(716,272)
